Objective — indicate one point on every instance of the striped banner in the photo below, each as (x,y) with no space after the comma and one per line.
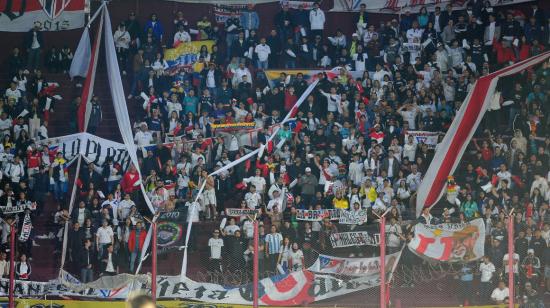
(450,150)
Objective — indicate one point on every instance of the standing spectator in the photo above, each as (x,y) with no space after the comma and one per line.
(487,270)
(316,20)
(95,115)
(86,260)
(104,238)
(23,268)
(135,244)
(155,26)
(273,248)
(249,20)
(215,243)
(109,261)
(34,43)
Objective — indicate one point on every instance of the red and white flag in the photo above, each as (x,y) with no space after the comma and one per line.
(451,149)
(50,15)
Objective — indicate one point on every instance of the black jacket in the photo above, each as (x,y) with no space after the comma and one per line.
(29,38)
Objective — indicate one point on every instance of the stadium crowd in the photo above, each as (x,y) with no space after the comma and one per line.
(345,149)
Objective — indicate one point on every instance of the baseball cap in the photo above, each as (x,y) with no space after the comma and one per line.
(308,169)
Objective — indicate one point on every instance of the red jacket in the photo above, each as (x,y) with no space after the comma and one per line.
(524,51)
(290,100)
(33,159)
(504,54)
(132,239)
(128,181)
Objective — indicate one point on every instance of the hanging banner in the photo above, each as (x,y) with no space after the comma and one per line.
(26,228)
(353,217)
(23,15)
(413,6)
(306,5)
(184,55)
(450,242)
(317,215)
(7,210)
(428,138)
(347,239)
(294,289)
(222,12)
(94,149)
(240,212)
(273,76)
(352,266)
(170,226)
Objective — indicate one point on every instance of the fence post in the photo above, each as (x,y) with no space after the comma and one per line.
(12,265)
(255,266)
(383,261)
(154,261)
(511,282)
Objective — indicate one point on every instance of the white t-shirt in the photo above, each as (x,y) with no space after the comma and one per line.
(104,235)
(500,295)
(143,138)
(487,271)
(231,229)
(393,232)
(263,52)
(215,245)
(296,258)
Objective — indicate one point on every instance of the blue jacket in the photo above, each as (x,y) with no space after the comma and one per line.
(250,20)
(158,30)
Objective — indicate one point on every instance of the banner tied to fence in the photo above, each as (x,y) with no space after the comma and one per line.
(360,238)
(317,215)
(240,212)
(352,266)
(450,242)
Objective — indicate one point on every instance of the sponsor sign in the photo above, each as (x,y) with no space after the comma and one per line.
(450,242)
(49,15)
(347,239)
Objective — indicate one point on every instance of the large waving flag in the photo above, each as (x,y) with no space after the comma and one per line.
(451,149)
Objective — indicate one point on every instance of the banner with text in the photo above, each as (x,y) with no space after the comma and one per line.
(353,217)
(21,16)
(450,242)
(170,227)
(240,212)
(317,215)
(347,239)
(413,6)
(94,149)
(428,138)
(352,266)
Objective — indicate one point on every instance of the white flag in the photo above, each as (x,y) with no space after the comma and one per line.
(82,56)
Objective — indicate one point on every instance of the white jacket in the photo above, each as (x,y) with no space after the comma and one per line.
(317,19)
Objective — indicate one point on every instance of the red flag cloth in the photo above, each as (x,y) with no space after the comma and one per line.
(466,121)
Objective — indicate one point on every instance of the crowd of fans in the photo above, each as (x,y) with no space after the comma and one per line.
(346,148)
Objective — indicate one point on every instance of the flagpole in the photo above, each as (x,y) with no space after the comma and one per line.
(154,261)
(511,259)
(255,278)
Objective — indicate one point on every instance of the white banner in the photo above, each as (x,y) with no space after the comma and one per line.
(317,215)
(428,138)
(94,149)
(240,212)
(360,238)
(397,6)
(58,15)
(352,266)
(450,242)
(353,217)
